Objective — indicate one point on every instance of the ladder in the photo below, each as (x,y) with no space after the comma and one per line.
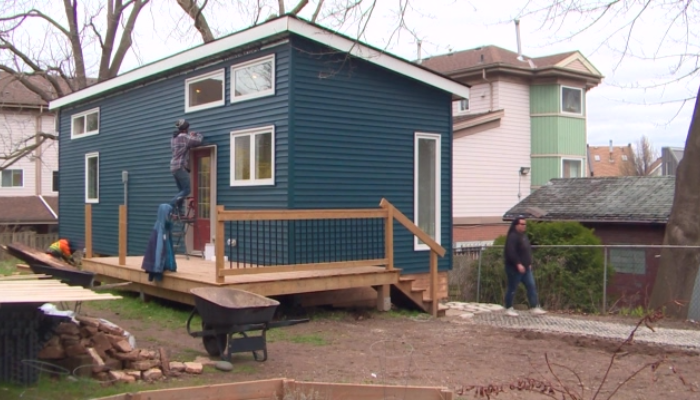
(181,224)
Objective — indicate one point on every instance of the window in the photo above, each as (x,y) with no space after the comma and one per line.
(204,91)
(571,168)
(12,178)
(597,157)
(628,261)
(85,124)
(253,79)
(92,178)
(624,157)
(462,106)
(54,182)
(427,186)
(571,100)
(253,157)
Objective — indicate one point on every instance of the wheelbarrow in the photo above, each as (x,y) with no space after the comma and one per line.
(229,316)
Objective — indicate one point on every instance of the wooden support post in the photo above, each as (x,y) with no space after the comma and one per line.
(389,237)
(383,297)
(434,283)
(219,245)
(88,230)
(122,234)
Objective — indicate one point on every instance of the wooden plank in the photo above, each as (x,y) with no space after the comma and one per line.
(434,283)
(25,277)
(122,234)
(408,224)
(319,284)
(225,391)
(287,215)
(88,230)
(219,245)
(389,236)
(302,267)
(349,391)
(31,255)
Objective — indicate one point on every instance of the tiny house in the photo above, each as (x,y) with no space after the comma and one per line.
(294,117)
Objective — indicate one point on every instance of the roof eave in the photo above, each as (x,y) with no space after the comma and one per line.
(286,24)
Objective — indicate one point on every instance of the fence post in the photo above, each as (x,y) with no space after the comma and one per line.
(122,234)
(605,278)
(478,277)
(219,244)
(389,237)
(434,283)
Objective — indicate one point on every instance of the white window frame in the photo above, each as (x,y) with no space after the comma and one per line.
(87,157)
(264,93)
(580,160)
(232,168)
(417,246)
(84,114)
(561,100)
(218,73)
(596,157)
(458,107)
(13,187)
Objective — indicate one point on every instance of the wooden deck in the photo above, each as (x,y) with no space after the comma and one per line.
(197,272)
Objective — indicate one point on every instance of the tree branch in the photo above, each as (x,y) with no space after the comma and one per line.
(39,14)
(125,42)
(4,44)
(74,38)
(280,7)
(25,149)
(317,11)
(300,6)
(200,22)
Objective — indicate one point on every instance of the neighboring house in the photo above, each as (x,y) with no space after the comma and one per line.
(524,124)
(616,161)
(290,121)
(29,187)
(670,157)
(631,210)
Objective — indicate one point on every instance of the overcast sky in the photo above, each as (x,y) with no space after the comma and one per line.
(615,111)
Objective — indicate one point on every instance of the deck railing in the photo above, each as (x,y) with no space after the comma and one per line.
(259,241)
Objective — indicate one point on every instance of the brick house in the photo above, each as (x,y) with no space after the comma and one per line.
(630,210)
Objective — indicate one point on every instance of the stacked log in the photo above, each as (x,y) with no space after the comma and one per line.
(102,351)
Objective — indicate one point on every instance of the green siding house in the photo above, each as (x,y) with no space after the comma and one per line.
(294,116)
(524,125)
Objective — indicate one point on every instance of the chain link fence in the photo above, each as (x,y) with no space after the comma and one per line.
(592,278)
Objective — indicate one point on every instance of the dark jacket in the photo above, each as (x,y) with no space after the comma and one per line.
(517,250)
(160,256)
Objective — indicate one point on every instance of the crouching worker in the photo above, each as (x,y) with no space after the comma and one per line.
(61,250)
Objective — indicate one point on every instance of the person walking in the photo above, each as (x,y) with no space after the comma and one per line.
(180,144)
(518,263)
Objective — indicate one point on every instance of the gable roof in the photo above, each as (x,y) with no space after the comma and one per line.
(494,56)
(14,94)
(282,25)
(610,163)
(640,199)
(28,210)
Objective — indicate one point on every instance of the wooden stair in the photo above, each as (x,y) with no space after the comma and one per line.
(408,292)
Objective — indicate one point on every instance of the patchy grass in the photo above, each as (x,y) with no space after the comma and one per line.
(402,313)
(84,389)
(8,267)
(244,369)
(156,312)
(280,335)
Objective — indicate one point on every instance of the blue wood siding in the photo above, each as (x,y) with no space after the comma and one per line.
(353,127)
(135,129)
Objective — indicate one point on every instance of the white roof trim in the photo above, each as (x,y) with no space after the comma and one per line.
(578,56)
(48,207)
(280,25)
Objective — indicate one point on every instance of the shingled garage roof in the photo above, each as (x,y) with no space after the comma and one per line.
(28,210)
(641,199)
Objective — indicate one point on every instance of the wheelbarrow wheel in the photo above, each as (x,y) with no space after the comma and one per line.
(214,345)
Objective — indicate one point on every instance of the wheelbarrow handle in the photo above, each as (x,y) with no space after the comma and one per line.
(279,324)
(189,321)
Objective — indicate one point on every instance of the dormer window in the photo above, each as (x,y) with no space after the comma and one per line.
(461,106)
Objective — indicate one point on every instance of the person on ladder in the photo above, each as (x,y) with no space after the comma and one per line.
(181,143)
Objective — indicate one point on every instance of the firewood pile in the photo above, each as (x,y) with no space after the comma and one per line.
(92,348)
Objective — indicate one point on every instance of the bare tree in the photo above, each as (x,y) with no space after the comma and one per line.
(55,48)
(623,23)
(643,158)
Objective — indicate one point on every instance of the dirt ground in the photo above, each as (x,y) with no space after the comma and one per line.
(346,348)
